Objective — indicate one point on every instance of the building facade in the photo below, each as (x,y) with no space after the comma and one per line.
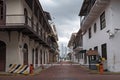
(100,26)
(78,46)
(71,47)
(24,34)
(54,51)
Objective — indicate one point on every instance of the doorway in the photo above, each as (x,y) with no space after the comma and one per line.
(25,54)
(104,51)
(36,57)
(2,56)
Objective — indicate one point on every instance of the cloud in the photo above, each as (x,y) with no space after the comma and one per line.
(66,16)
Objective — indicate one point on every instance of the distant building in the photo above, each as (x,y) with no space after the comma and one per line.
(78,46)
(71,46)
(100,24)
(25,34)
(54,51)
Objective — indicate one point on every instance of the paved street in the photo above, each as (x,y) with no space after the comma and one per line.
(64,72)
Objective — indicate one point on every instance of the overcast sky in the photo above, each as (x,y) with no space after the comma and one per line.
(65,16)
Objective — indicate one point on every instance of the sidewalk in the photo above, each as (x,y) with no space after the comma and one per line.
(97,72)
(36,71)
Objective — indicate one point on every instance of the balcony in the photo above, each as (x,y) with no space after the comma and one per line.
(54,47)
(24,24)
(87,5)
(92,13)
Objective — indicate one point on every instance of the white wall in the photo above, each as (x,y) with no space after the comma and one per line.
(98,38)
(14,7)
(101,36)
(115,53)
(12,55)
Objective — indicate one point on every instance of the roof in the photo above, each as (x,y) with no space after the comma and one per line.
(92,52)
(83,10)
(70,43)
(47,14)
(87,4)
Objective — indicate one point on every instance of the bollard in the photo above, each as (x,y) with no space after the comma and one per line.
(101,68)
(31,69)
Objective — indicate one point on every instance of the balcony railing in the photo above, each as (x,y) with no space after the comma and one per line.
(87,11)
(15,19)
(93,12)
(21,21)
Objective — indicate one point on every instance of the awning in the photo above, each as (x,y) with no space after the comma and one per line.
(92,52)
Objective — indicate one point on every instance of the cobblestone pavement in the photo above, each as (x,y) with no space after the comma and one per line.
(64,72)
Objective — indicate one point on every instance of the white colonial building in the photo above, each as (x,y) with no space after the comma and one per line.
(100,23)
(25,34)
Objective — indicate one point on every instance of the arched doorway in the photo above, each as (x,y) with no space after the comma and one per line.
(2,56)
(25,54)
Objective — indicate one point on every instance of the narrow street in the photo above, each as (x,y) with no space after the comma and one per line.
(63,72)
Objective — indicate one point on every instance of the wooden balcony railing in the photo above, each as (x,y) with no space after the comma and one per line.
(89,7)
(21,21)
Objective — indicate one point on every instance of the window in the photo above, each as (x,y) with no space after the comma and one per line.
(93,57)
(102,21)
(1,9)
(40,56)
(89,33)
(96,48)
(95,28)
(37,29)
(26,16)
(32,23)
